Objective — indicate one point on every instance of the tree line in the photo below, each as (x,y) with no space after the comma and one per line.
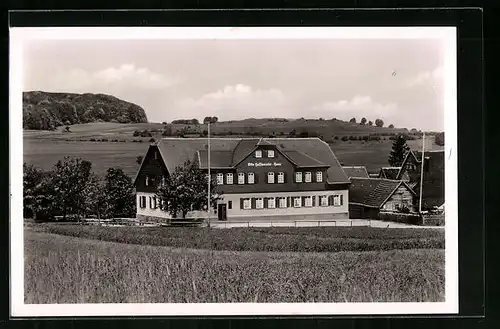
(378,122)
(71,190)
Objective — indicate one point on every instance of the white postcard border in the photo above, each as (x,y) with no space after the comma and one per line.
(19,36)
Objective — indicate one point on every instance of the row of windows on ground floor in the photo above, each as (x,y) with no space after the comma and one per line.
(268,202)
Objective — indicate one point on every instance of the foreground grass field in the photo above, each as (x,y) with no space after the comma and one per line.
(304,239)
(64,269)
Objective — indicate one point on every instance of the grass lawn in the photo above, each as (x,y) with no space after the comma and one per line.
(303,239)
(65,269)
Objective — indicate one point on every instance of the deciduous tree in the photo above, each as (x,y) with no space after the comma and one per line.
(186,190)
(363,121)
(119,194)
(379,123)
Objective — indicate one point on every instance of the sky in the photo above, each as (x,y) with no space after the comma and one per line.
(397,80)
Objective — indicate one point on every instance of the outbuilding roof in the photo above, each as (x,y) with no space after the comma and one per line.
(373,192)
(356,171)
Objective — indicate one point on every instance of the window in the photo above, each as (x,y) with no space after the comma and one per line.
(270,178)
(319,176)
(297,202)
(220,179)
(156,155)
(282,202)
(241,178)
(247,204)
(309,202)
(259,203)
(336,200)
(258,154)
(229,178)
(271,203)
(142,201)
(163,181)
(324,200)
(298,177)
(230,205)
(281,178)
(147,180)
(270,153)
(308,177)
(251,178)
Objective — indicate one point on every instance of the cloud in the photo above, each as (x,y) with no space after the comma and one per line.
(359,106)
(234,102)
(430,77)
(122,77)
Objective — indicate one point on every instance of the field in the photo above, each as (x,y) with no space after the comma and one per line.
(68,269)
(310,239)
(44,148)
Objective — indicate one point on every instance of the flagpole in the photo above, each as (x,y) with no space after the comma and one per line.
(209,177)
(421,174)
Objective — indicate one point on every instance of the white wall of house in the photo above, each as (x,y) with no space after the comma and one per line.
(157,212)
(236,212)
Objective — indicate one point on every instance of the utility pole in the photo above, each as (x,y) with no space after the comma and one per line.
(209,177)
(421,173)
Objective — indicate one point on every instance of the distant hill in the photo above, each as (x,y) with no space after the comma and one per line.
(46,111)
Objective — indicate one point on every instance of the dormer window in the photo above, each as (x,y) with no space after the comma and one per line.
(270,178)
(258,154)
(251,178)
(270,153)
(319,176)
(229,178)
(308,177)
(241,178)
(298,177)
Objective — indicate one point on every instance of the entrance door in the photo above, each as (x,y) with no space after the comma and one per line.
(222,211)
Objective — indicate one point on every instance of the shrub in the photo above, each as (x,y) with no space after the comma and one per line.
(345,138)
(406,218)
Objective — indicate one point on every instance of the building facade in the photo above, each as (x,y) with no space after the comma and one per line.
(290,178)
(371,196)
(433,191)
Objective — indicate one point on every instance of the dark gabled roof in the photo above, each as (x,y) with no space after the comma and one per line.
(373,192)
(176,151)
(302,151)
(389,172)
(218,159)
(303,160)
(356,171)
(318,150)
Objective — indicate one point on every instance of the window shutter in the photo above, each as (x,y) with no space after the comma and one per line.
(303,199)
(330,200)
(255,178)
(341,199)
(284,177)
(314,200)
(253,203)
(288,202)
(265,202)
(241,203)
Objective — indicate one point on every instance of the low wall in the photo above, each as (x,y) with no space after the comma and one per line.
(413,219)
(151,219)
(433,220)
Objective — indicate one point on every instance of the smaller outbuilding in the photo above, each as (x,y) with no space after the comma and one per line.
(368,197)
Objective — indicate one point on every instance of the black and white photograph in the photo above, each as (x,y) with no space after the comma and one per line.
(233,171)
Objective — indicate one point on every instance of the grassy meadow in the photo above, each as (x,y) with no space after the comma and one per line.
(44,148)
(278,239)
(68,269)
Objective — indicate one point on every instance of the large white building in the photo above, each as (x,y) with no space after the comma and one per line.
(267,178)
